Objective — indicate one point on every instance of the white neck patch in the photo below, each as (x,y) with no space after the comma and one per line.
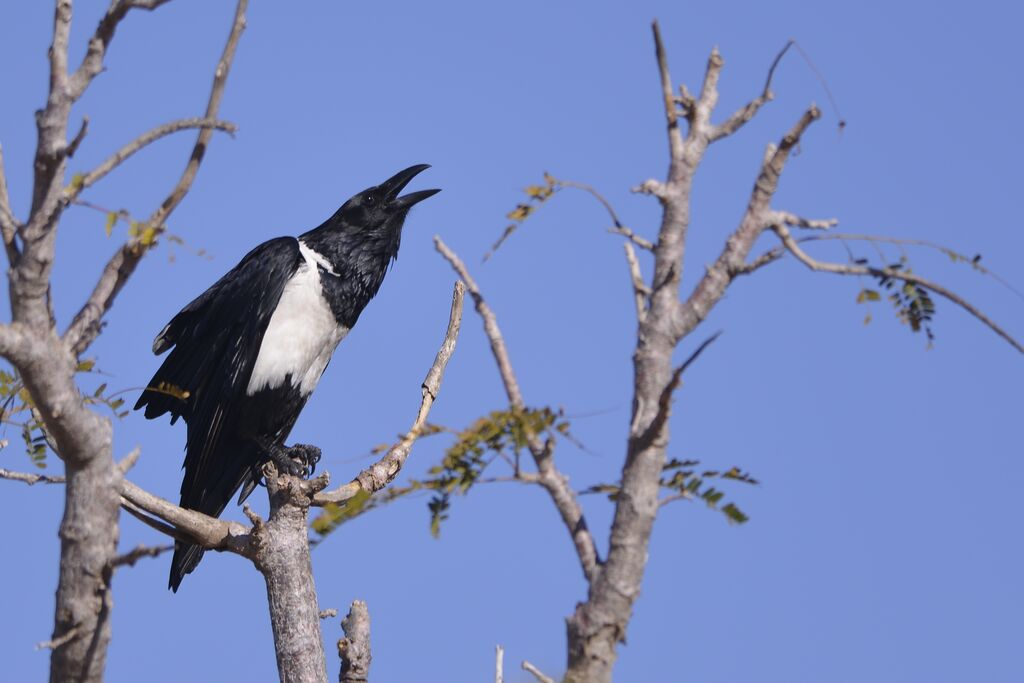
(302,333)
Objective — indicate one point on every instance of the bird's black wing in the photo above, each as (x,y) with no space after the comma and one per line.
(216,340)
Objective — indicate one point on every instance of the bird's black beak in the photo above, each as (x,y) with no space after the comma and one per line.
(396,183)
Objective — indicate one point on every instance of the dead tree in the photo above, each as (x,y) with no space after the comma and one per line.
(665,318)
(46,361)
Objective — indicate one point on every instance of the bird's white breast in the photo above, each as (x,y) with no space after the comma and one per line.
(302,333)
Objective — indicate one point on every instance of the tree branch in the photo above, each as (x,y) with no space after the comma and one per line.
(137,553)
(92,63)
(757,217)
(87,322)
(209,532)
(746,113)
(8,223)
(89,179)
(675,138)
(384,471)
(848,269)
(354,648)
(31,478)
(640,290)
(553,481)
(537,673)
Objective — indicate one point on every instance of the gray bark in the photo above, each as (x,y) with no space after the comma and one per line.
(47,363)
(281,553)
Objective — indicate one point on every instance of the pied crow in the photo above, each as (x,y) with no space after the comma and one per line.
(246,354)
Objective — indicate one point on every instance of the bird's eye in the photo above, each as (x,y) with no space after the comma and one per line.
(371,199)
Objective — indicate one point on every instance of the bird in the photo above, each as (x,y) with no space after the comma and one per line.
(246,354)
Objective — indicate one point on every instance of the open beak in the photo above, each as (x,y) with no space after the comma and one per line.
(396,183)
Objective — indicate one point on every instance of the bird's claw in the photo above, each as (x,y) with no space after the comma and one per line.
(299,460)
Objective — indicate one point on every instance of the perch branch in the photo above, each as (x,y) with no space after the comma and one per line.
(383,472)
(209,532)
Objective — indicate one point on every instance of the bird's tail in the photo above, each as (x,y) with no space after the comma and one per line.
(186,558)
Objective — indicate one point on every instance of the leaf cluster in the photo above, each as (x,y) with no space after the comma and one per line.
(682,480)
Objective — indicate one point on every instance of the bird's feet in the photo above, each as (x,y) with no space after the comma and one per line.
(298,460)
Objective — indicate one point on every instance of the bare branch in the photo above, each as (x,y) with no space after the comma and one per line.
(787,218)
(328,613)
(354,648)
(508,377)
(79,136)
(8,223)
(137,553)
(31,478)
(732,261)
(66,637)
(770,256)
(209,532)
(553,481)
(87,322)
(665,401)
(675,138)
(747,112)
(499,664)
(92,63)
(640,290)
(618,228)
(85,181)
(849,269)
(384,471)
(701,124)
(537,673)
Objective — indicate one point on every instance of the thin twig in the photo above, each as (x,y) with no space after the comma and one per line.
(537,673)
(848,269)
(30,478)
(746,113)
(92,63)
(675,138)
(8,223)
(665,400)
(64,638)
(618,228)
(553,481)
(640,290)
(87,322)
(384,471)
(77,140)
(137,553)
(86,180)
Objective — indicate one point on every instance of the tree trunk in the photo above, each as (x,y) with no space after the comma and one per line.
(88,539)
(282,555)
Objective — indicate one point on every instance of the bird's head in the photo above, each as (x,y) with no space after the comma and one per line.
(363,236)
(378,212)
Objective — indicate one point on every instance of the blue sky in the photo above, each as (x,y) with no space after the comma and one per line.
(884,538)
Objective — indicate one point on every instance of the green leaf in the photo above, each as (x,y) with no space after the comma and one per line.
(111,221)
(868,295)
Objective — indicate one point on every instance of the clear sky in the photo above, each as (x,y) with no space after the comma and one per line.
(884,541)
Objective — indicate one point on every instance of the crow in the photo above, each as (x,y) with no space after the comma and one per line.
(247,353)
